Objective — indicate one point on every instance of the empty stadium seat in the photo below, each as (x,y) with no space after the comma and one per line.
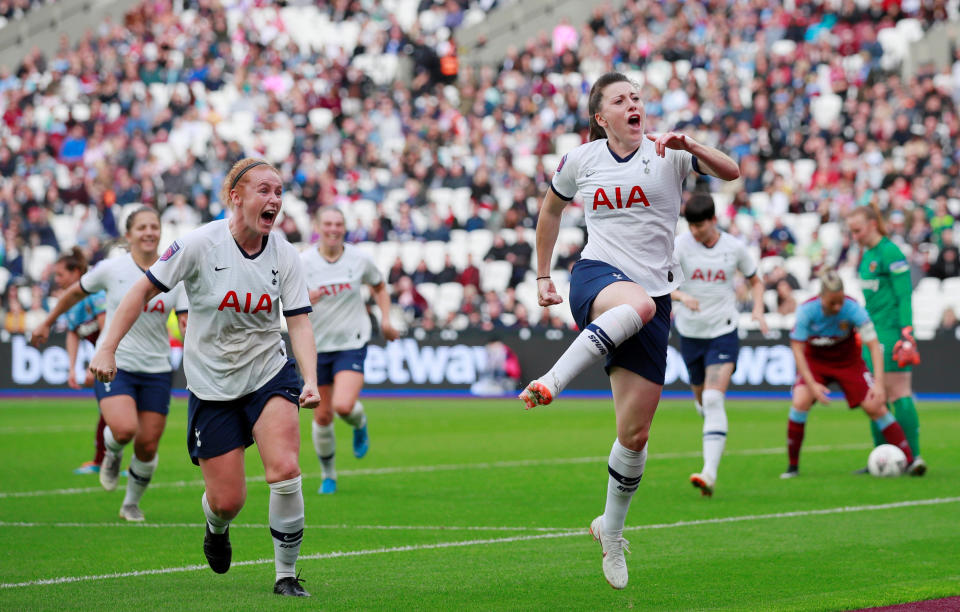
(37,259)
(495,275)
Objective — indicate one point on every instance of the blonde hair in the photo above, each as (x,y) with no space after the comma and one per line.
(830,281)
(236,175)
(870,212)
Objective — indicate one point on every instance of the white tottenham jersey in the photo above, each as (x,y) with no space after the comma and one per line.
(339,318)
(631,207)
(233,344)
(709,276)
(146,347)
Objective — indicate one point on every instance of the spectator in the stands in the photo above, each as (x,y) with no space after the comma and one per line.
(449,272)
(421,274)
(15,319)
(783,239)
(947,264)
(409,299)
(396,271)
(520,254)
(949,327)
(786,302)
(475,221)
(470,275)
(498,251)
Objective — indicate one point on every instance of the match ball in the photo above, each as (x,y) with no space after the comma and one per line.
(886,461)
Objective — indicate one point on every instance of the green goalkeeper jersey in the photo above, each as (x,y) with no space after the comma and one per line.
(885,280)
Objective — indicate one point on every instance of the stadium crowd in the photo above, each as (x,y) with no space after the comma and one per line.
(155,110)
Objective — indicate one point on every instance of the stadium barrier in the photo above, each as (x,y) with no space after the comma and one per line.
(451,361)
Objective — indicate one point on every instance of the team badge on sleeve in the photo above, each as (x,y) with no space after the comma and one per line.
(563,160)
(171,251)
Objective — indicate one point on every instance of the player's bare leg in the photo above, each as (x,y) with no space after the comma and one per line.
(619,311)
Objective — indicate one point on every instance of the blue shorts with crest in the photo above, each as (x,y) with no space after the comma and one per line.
(698,353)
(644,353)
(217,427)
(150,391)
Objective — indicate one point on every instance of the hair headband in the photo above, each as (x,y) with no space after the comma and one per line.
(236,179)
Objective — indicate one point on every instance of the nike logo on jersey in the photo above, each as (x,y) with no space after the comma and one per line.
(722,356)
(589,172)
(217,268)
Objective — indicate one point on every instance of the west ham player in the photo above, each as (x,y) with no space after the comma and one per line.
(134,404)
(336,273)
(83,321)
(826,351)
(631,183)
(706,321)
(885,281)
(243,388)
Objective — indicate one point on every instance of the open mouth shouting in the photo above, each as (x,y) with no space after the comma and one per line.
(634,120)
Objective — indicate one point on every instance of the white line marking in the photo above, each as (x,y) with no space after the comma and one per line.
(254,526)
(411,469)
(522,538)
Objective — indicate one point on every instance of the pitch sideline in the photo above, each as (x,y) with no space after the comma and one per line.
(481,542)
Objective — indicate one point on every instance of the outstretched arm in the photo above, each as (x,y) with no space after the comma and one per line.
(382,297)
(104,365)
(709,160)
(70,297)
(304,351)
(548,228)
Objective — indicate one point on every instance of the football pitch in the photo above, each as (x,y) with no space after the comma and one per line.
(478,504)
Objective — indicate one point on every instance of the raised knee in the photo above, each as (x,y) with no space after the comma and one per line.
(283,470)
(146,451)
(636,441)
(647,308)
(123,435)
(323,418)
(343,408)
(226,506)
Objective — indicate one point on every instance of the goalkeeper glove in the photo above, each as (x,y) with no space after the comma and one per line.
(905,350)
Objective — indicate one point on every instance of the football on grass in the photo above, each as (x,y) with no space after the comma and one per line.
(886,460)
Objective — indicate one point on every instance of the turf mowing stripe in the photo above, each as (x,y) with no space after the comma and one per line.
(409,469)
(464,543)
(43,430)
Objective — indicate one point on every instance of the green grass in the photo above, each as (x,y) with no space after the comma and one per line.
(438,466)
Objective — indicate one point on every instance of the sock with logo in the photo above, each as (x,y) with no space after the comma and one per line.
(893,434)
(625,469)
(140,473)
(325,444)
(357,418)
(286,525)
(216,524)
(598,340)
(796,425)
(714,431)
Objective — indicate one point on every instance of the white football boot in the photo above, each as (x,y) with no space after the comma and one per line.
(614,563)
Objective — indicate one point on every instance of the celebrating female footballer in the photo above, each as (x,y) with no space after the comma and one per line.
(243,388)
(631,183)
(135,402)
(336,273)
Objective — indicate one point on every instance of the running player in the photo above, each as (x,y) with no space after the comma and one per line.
(826,351)
(83,321)
(336,273)
(885,281)
(631,183)
(706,322)
(134,404)
(243,388)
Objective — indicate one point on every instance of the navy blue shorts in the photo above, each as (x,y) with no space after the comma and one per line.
(646,352)
(217,427)
(150,391)
(328,364)
(698,353)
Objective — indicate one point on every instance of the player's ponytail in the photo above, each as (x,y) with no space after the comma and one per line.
(870,212)
(74,260)
(596,98)
(236,177)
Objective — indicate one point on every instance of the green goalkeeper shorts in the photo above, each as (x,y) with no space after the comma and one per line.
(888,338)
